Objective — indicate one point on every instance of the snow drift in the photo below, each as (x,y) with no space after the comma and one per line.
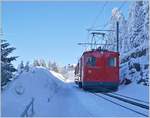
(38,83)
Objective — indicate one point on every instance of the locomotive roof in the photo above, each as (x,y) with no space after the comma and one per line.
(97,50)
(91,51)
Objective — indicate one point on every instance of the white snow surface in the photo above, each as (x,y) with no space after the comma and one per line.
(55,97)
(135,91)
(70,76)
(39,83)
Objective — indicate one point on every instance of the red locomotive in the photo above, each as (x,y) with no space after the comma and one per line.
(98,69)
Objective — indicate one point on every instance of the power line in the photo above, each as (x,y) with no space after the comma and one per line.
(95,20)
(100,12)
(114,14)
(120,7)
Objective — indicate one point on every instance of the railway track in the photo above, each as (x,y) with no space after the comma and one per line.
(124,99)
(126,102)
(135,105)
(131,98)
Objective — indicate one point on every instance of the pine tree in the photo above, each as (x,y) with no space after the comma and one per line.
(49,65)
(7,68)
(146,22)
(136,24)
(116,16)
(27,66)
(36,63)
(54,67)
(20,67)
(42,62)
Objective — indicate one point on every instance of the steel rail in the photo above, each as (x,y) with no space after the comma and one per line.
(120,105)
(127,101)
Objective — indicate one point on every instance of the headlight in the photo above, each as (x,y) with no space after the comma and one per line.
(89,71)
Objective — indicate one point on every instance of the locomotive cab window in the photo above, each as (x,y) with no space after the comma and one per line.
(91,61)
(112,62)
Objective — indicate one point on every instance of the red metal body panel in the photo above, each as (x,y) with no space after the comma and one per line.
(101,70)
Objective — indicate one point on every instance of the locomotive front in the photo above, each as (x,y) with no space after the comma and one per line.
(99,70)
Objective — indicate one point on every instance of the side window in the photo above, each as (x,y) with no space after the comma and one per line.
(112,62)
(91,61)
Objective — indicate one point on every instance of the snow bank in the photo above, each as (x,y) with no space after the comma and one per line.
(70,76)
(38,83)
(59,76)
(135,91)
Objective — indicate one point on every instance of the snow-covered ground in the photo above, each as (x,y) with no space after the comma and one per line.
(135,90)
(56,96)
(39,83)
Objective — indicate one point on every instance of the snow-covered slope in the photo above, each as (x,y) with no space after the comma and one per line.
(70,76)
(68,72)
(38,83)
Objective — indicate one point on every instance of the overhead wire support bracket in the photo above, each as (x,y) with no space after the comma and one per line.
(92,43)
(99,30)
(98,33)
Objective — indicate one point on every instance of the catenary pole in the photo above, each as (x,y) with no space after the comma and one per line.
(117,35)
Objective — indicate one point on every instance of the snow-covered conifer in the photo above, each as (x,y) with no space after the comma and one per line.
(27,66)
(20,67)
(7,68)
(54,67)
(49,65)
(42,62)
(36,63)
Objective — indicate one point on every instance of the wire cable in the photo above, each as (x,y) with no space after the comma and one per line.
(120,7)
(100,12)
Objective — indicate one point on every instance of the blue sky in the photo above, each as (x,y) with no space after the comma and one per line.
(51,30)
